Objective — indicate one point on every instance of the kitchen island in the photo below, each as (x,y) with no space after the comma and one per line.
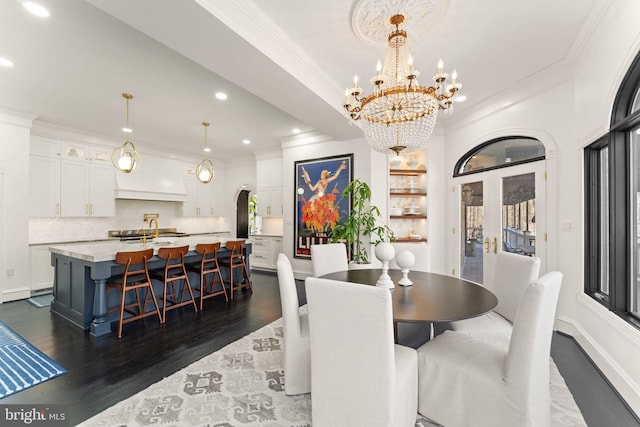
(81,271)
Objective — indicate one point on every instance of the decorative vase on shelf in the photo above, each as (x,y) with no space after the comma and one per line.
(405,260)
(385,253)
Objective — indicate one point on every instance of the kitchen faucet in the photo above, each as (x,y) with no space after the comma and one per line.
(154,220)
(151,219)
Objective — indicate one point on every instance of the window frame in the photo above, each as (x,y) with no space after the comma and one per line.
(618,142)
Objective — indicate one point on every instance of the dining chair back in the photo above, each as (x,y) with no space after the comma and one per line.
(208,267)
(295,325)
(456,367)
(174,271)
(236,260)
(511,276)
(328,258)
(358,375)
(134,278)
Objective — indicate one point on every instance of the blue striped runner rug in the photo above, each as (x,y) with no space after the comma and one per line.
(21,364)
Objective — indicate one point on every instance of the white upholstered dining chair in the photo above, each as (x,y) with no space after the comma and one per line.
(328,258)
(359,376)
(466,381)
(295,324)
(511,276)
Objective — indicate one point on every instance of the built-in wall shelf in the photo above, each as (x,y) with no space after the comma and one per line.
(408,216)
(409,240)
(408,194)
(407,172)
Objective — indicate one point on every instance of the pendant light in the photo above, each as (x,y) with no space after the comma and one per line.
(125,158)
(204,170)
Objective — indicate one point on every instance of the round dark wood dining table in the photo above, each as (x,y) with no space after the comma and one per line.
(432,297)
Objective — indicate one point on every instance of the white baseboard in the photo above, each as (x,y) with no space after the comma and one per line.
(16,294)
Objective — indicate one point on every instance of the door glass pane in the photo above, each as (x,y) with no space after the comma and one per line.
(519,214)
(604,221)
(635,226)
(472,220)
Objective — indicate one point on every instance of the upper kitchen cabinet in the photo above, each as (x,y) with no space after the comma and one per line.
(203,199)
(198,201)
(269,187)
(44,177)
(87,181)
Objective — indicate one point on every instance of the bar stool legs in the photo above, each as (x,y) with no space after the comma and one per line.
(208,266)
(174,270)
(237,260)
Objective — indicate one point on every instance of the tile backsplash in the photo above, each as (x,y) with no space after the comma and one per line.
(129,215)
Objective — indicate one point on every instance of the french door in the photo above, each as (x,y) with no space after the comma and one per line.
(500,210)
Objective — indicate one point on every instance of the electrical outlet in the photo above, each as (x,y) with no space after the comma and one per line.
(11,271)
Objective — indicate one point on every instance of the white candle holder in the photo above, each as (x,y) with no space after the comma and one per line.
(385,253)
(405,260)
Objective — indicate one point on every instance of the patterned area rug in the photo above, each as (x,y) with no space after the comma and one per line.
(22,365)
(243,385)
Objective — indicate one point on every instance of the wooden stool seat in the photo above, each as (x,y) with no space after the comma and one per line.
(208,265)
(134,278)
(174,270)
(236,260)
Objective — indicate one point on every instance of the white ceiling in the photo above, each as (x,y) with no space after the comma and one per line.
(283,63)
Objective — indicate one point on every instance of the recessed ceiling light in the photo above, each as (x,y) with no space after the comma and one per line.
(246,141)
(5,62)
(221,96)
(461,98)
(36,9)
(295,130)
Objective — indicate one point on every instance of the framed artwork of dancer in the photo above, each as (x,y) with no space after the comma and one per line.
(318,205)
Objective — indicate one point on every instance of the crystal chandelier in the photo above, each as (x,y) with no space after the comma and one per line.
(204,170)
(400,114)
(125,158)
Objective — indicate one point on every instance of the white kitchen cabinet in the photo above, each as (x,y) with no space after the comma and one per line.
(86,189)
(218,205)
(264,251)
(44,186)
(40,268)
(44,177)
(269,187)
(199,198)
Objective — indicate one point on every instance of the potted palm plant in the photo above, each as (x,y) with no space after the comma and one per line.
(362,227)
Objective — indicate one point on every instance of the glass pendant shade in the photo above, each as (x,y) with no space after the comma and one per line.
(204,170)
(125,158)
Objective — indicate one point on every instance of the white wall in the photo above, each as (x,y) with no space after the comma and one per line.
(14,210)
(566,117)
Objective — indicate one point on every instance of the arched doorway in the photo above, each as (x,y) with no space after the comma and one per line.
(242,215)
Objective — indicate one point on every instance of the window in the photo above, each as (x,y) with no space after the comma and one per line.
(612,222)
(500,153)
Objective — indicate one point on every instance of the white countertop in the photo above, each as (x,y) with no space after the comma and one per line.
(105,250)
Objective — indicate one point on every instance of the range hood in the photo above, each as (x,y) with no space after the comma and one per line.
(157,178)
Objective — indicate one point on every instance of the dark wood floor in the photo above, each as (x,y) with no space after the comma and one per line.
(102,371)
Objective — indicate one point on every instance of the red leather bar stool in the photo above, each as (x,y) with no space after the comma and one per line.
(174,270)
(135,278)
(236,260)
(208,266)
